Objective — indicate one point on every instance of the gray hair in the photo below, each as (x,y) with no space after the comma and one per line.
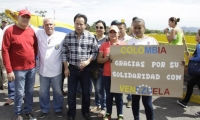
(139,20)
(45,19)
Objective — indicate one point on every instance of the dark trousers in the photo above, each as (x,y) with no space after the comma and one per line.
(147,102)
(63,77)
(109,97)
(190,85)
(82,76)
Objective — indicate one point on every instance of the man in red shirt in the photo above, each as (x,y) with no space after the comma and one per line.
(19,50)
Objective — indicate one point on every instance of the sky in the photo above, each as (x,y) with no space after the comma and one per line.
(154,12)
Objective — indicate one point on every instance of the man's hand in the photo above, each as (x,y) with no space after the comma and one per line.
(84,64)
(11,76)
(66,72)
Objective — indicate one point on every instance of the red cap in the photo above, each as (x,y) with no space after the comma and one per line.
(24,12)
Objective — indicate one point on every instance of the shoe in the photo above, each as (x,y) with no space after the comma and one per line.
(87,116)
(95,109)
(120,117)
(30,116)
(129,104)
(107,117)
(197,113)
(42,115)
(70,118)
(101,114)
(19,117)
(59,114)
(8,102)
(184,105)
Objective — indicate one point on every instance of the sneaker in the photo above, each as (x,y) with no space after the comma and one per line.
(129,104)
(197,113)
(184,105)
(30,116)
(101,114)
(59,114)
(95,109)
(19,117)
(42,115)
(120,117)
(107,117)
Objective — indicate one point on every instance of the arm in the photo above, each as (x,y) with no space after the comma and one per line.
(65,52)
(197,58)
(170,36)
(185,44)
(5,55)
(94,49)
(101,59)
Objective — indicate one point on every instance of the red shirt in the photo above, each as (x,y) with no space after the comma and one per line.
(105,48)
(19,48)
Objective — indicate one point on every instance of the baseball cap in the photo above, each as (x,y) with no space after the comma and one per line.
(114,22)
(114,27)
(24,12)
(4,20)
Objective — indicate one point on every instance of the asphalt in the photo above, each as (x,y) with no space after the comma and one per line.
(165,108)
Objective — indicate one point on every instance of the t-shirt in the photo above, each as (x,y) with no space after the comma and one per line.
(126,38)
(19,48)
(105,48)
(143,41)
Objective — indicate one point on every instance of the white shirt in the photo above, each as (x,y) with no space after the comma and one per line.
(2,33)
(49,51)
(143,41)
(126,38)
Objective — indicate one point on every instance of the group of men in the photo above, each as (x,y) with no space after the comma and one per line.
(23,43)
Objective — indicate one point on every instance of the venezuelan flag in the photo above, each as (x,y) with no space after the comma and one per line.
(37,21)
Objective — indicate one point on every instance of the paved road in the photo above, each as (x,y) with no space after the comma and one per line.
(164,109)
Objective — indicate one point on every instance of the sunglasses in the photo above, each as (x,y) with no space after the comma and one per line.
(97,27)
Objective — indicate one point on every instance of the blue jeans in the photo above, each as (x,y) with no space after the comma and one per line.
(82,76)
(129,97)
(79,90)
(147,102)
(11,90)
(56,83)
(100,95)
(109,97)
(24,83)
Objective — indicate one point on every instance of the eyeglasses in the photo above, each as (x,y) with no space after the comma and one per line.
(99,27)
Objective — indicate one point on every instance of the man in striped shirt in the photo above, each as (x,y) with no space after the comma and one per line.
(79,49)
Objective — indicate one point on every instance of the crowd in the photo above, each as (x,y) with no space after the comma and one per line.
(81,57)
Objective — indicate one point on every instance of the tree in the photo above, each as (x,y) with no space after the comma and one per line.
(41,13)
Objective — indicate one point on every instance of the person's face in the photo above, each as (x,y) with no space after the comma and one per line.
(113,35)
(49,26)
(170,23)
(138,29)
(24,20)
(4,24)
(79,25)
(122,29)
(99,29)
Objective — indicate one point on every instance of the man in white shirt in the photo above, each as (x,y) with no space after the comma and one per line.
(50,67)
(124,37)
(122,32)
